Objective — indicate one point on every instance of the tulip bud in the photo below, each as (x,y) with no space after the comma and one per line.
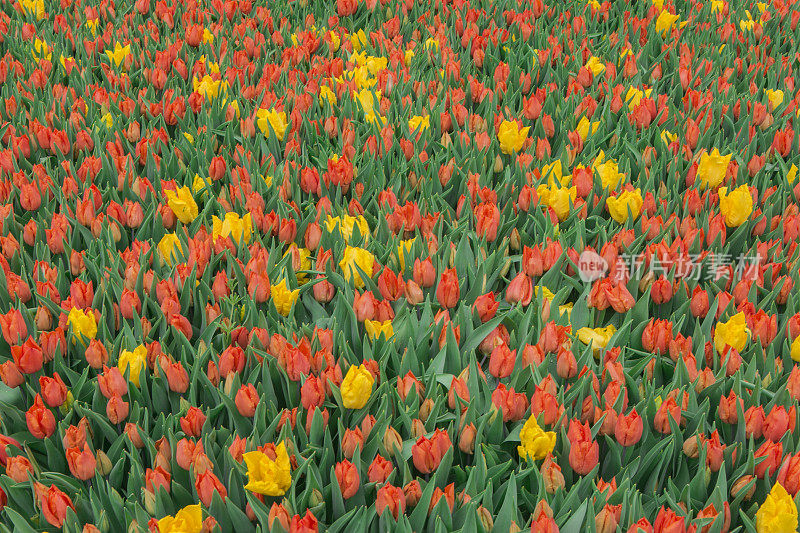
(425,409)
(466,441)
(691,447)
(740,485)
(392,442)
(104,465)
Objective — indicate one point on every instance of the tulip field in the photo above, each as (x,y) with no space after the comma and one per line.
(397,265)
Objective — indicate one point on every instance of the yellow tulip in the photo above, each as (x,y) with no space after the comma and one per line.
(356,257)
(732,333)
(272,118)
(418,124)
(182,204)
(711,168)
(345,226)
(778,513)
(775,98)
(237,228)
(356,387)
(209,87)
(512,137)
(595,65)
(326,93)
(41,50)
(666,21)
(208,37)
(83,324)
(268,477)
(735,205)
(608,170)
(375,328)
(283,298)
(791,175)
(402,249)
(169,248)
(795,350)
(305,261)
(33,8)
(119,54)
(133,361)
(535,443)
(358,40)
(597,337)
(187,520)
(634,97)
(585,128)
(627,202)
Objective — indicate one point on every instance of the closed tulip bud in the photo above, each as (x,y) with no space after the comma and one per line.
(502,361)
(104,465)
(417,428)
(745,485)
(607,520)
(28,357)
(691,447)
(278,513)
(448,291)
(727,409)
(551,475)
(628,430)
(392,442)
(771,453)
(132,432)
(425,409)
(466,441)
(778,422)
(192,422)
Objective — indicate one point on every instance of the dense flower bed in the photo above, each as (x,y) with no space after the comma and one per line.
(393,265)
